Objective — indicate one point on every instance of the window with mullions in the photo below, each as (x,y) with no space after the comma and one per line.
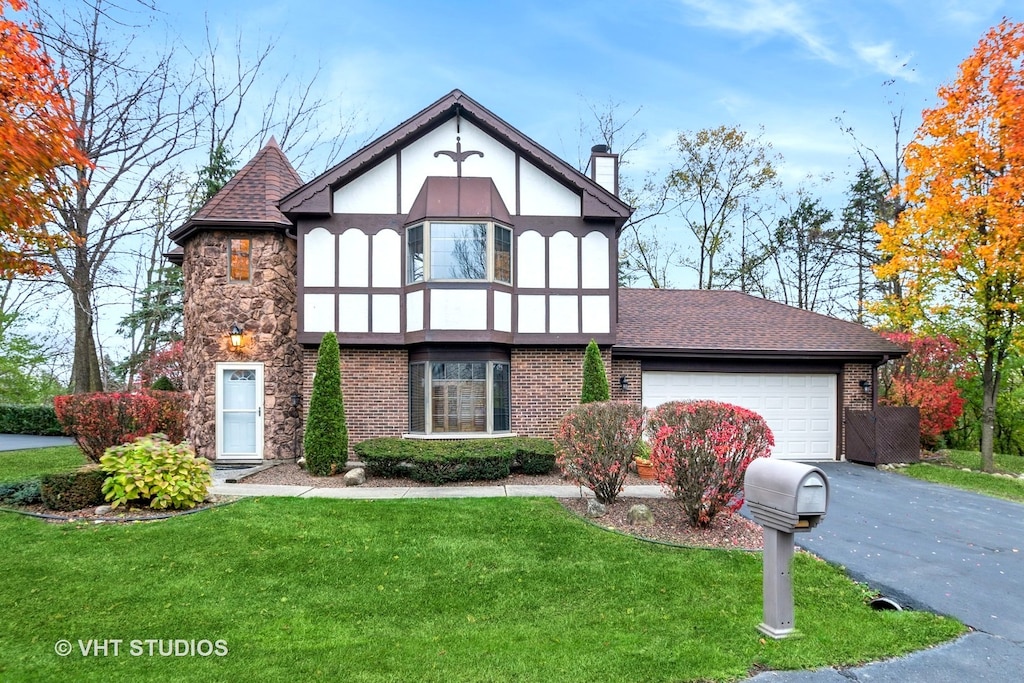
(458,251)
(448,397)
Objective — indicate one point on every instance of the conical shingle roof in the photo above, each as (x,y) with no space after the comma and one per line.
(250,198)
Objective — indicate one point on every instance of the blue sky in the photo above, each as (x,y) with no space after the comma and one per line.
(791,66)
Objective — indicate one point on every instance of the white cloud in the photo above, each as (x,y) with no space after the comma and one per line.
(765,17)
(881,57)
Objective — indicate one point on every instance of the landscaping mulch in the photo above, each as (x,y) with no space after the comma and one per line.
(132,514)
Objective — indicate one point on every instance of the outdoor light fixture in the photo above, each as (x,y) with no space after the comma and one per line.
(865,385)
(236,337)
(623,383)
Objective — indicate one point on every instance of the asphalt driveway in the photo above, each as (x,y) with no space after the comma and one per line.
(934,548)
(17,442)
(930,546)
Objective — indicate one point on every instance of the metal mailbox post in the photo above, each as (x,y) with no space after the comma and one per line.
(784,498)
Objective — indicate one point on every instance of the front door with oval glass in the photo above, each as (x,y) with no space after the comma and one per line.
(240,412)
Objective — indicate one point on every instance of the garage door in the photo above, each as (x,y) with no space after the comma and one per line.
(799,409)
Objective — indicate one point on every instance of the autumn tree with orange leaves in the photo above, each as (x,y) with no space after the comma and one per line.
(37,137)
(958,246)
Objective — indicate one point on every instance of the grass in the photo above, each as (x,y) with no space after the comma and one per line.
(951,473)
(1013,464)
(24,464)
(414,590)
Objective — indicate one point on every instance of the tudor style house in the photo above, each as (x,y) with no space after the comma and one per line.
(464,268)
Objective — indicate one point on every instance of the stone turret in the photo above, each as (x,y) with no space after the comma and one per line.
(238,254)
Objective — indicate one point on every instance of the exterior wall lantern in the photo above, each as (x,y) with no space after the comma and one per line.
(865,386)
(236,337)
(623,383)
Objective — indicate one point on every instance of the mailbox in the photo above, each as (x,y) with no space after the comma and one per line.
(787,496)
(784,497)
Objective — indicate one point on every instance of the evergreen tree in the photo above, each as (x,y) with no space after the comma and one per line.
(595,382)
(325,442)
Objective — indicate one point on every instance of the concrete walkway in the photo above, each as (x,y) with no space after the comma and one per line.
(391,493)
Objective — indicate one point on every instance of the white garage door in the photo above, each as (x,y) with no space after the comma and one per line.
(799,409)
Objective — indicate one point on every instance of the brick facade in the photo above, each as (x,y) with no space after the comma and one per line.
(374,386)
(546,383)
(265,308)
(853,396)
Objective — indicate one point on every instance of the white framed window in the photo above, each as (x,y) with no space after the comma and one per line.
(450,397)
(451,250)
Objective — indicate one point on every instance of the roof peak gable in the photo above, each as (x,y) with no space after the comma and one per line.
(314,197)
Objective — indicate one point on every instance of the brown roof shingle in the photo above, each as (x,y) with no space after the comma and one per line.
(250,197)
(718,322)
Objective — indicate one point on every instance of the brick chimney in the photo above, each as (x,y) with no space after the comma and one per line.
(604,168)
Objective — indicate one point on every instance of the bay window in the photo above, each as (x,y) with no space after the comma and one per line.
(447,250)
(448,397)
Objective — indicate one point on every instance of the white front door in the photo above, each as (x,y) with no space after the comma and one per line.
(800,409)
(240,411)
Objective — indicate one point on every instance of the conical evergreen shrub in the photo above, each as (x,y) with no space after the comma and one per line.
(595,382)
(325,442)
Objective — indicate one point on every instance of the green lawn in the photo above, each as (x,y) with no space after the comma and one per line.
(972,459)
(949,471)
(17,465)
(413,590)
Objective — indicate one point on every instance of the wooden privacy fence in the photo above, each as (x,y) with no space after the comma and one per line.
(885,435)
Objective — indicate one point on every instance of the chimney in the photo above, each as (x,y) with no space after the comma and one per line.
(604,168)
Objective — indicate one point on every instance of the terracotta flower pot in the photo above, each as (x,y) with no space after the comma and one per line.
(645,469)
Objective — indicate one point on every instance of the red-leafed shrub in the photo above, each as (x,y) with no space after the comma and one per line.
(595,445)
(101,420)
(170,416)
(926,378)
(940,404)
(168,362)
(700,450)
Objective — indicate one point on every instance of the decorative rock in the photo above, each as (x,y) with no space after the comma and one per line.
(301,462)
(104,510)
(355,477)
(595,509)
(640,515)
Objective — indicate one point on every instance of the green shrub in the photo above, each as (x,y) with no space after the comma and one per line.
(595,382)
(24,492)
(152,470)
(533,456)
(73,490)
(441,461)
(163,383)
(38,420)
(325,443)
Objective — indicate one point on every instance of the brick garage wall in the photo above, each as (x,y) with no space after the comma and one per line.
(374,386)
(852,396)
(546,384)
(265,308)
(630,369)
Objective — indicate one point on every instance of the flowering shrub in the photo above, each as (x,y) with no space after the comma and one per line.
(154,471)
(101,420)
(700,450)
(595,445)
